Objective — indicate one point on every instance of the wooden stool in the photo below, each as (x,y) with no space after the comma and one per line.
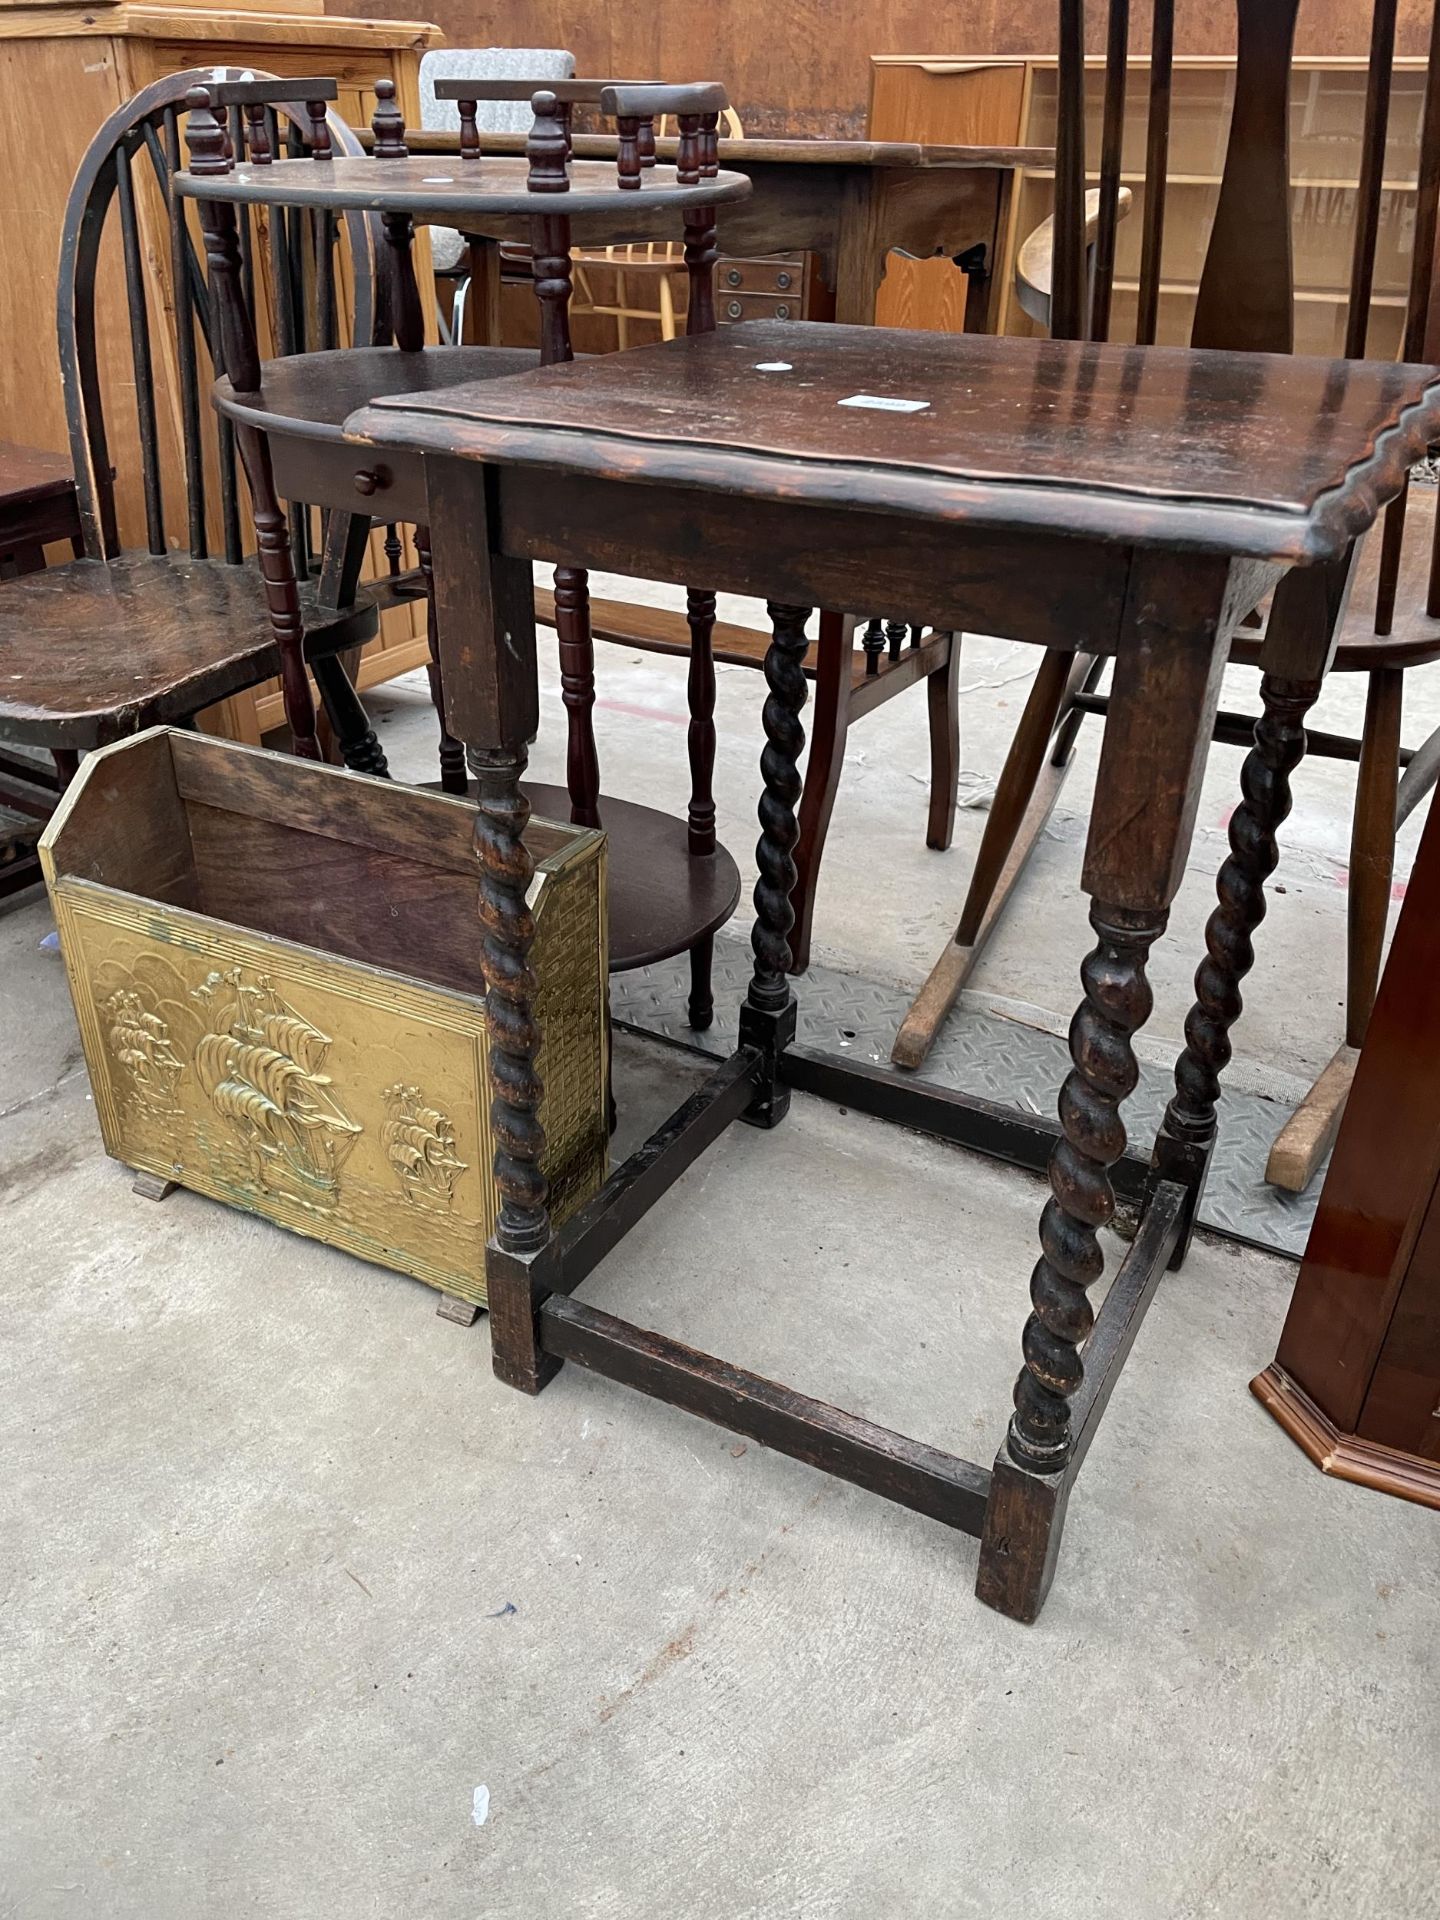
(1144,501)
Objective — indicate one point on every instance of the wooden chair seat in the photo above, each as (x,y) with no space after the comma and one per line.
(1415,639)
(95,650)
(309,396)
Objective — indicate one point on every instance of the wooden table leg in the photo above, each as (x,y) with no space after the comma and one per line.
(767,1020)
(1167,684)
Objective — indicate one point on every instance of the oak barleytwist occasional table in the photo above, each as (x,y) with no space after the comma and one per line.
(1143,496)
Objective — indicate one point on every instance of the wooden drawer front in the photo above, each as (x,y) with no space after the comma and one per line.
(758,306)
(783,277)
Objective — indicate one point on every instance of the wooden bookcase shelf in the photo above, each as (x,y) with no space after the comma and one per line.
(1012,100)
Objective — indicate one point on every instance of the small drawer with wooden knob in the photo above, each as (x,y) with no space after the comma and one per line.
(782,276)
(759,306)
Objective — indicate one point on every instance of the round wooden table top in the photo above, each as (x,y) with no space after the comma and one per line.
(454,191)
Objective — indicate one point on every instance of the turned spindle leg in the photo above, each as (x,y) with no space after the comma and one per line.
(873,642)
(1187,1133)
(700,258)
(282,595)
(577,691)
(1169,662)
(700,613)
(767,1020)
(453,778)
(522,1228)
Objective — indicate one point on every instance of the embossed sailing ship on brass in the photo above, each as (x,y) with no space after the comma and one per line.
(140,1043)
(419,1143)
(260,1066)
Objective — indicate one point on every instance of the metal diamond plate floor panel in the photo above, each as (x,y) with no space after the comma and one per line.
(982,1051)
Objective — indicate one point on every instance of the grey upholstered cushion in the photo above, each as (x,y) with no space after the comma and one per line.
(492,116)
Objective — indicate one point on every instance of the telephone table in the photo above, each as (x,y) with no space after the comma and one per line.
(1142,498)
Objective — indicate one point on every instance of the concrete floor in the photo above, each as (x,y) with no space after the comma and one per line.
(287,1577)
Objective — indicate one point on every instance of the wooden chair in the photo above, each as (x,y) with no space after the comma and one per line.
(1245,303)
(121,639)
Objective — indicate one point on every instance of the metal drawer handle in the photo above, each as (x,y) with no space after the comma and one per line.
(733,277)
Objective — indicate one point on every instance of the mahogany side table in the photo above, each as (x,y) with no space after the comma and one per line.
(1146,496)
(671,882)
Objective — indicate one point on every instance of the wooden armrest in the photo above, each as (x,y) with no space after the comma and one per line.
(573,93)
(626,101)
(268,93)
(1035,262)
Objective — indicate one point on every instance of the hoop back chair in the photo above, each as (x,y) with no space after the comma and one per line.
(126,637)
(1245,304)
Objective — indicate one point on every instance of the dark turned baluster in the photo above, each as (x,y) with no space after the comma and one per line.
(627,155)
(452,751)
(895,631)
(1117,1003)
(645,139)
(387,123)
(469,129)
(394,549)
(767,1020)
(506,870)
(402,304)
(873,642)
(257,133)
(206,139)
(689,156)
(321,147)
(1187,1133)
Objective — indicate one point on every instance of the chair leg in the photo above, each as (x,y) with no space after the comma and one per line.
(828,728)
(67,765)
(622,317)
(1309,1133)
(359,745)
(1025,796)
(942,694)
(667,308)
(1372,847)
